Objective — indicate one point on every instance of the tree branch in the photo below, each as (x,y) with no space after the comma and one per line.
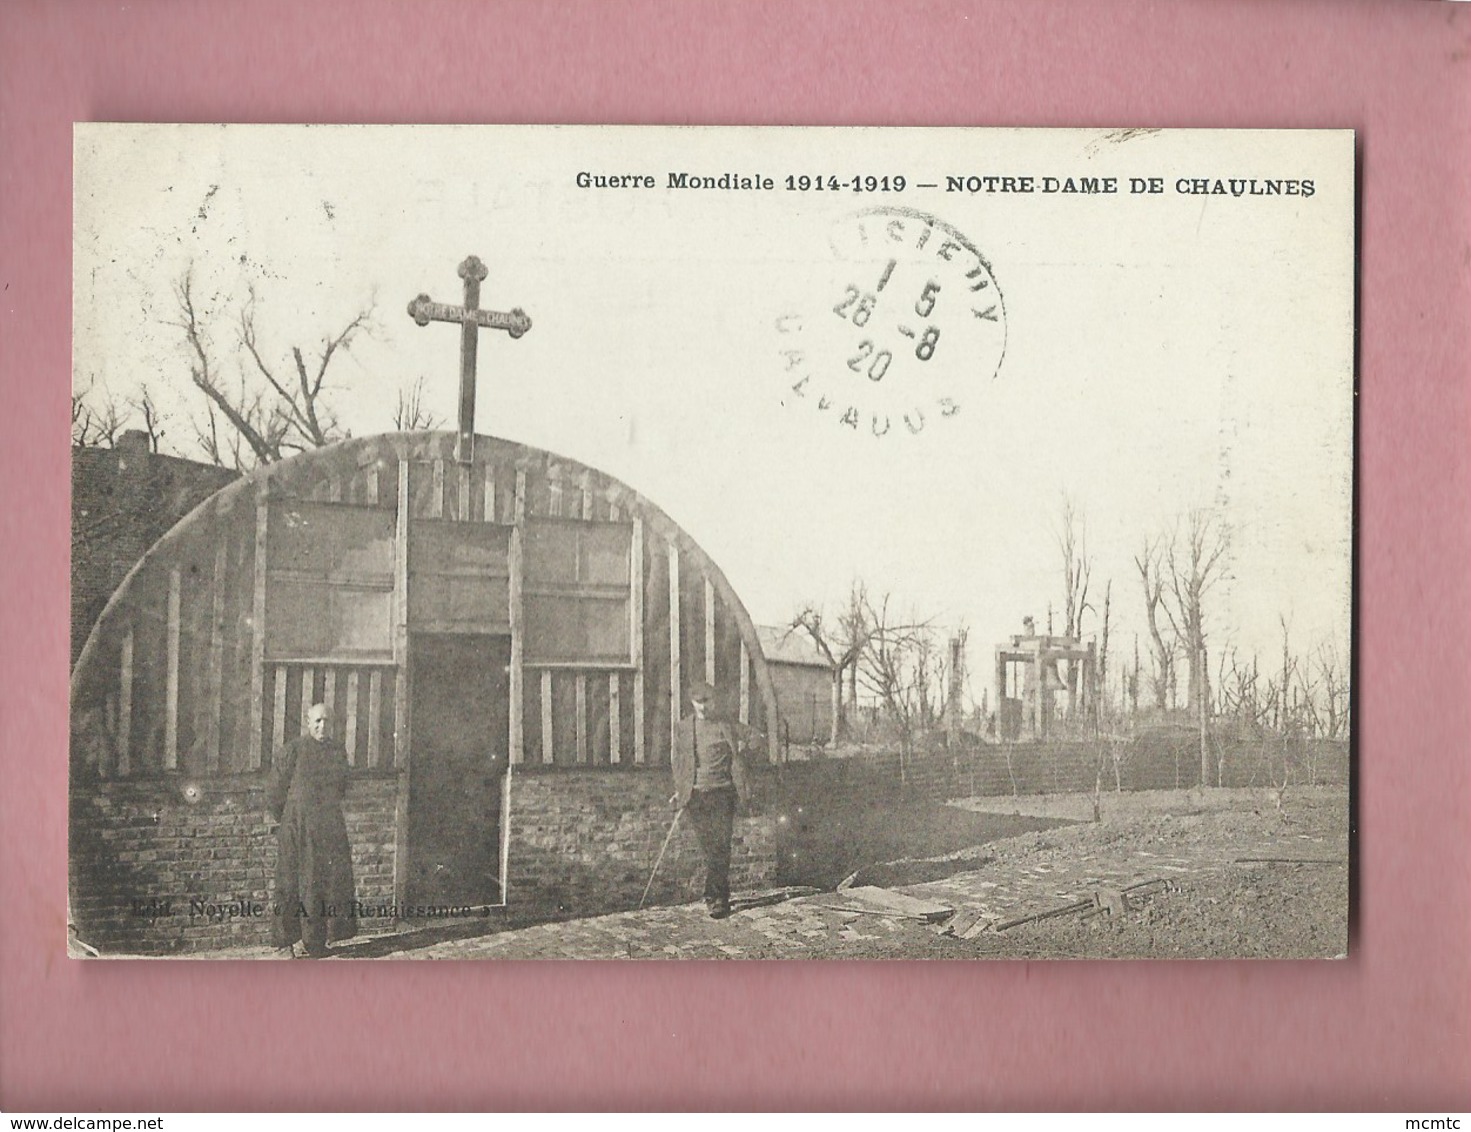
(202,375)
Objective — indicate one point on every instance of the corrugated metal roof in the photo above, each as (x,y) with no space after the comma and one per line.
(784,645)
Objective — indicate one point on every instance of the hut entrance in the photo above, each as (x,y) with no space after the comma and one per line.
(461,728)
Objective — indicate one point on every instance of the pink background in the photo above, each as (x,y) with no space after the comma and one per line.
(1390,1028)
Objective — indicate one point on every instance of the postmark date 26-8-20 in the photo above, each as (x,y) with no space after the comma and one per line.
(913,321)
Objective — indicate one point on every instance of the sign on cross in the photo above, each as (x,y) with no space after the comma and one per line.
(471,318)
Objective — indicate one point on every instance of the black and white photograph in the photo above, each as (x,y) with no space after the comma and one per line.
(616,542)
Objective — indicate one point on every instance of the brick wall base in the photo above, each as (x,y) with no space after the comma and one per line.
(153,872)
(586,841)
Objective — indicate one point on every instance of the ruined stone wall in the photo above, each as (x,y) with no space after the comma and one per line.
(123,500)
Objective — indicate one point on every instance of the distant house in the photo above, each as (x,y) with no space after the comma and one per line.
(804,684)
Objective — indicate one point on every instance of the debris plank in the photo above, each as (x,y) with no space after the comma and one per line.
(885,902)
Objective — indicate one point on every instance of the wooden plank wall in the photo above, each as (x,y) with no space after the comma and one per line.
(360,705)
(189,690)
(578,716)
(656,652)
(180,681)
(618,716)
(236,723)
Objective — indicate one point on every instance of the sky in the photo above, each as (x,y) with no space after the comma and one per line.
(1142,354)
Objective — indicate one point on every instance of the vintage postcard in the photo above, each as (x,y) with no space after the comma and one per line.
(573,542)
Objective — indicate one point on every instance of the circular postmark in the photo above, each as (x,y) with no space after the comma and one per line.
(897,329)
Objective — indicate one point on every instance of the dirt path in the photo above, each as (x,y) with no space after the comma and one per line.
(1235,876)
(1214,904)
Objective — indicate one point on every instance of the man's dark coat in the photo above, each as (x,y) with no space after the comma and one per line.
(710,732)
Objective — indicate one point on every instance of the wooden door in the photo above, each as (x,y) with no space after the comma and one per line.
(460,712)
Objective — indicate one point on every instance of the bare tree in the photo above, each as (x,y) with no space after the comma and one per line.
(1194,557)
(840,640)
(1077,569)
(1077,566)
(809,620)
(223,446)
(269,418)
(410,414)
(252,422)
(1239,689)
(928,663)
(1288,724)
(149,415)
(1334,682)
(97,418)
(1132,692)
(1286,718)
(890,667)
(1150,563)
(1305,698)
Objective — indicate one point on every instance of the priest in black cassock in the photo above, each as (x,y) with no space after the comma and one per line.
(314,892)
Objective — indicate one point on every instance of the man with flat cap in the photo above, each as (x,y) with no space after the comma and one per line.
(314,893)
(710,780)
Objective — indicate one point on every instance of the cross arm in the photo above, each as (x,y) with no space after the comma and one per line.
(424,311)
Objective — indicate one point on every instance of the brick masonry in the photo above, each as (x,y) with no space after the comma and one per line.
(154,873)
(585,841)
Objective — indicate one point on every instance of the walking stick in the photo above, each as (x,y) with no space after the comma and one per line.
(668,837)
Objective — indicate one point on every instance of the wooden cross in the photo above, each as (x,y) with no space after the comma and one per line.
(471,318)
